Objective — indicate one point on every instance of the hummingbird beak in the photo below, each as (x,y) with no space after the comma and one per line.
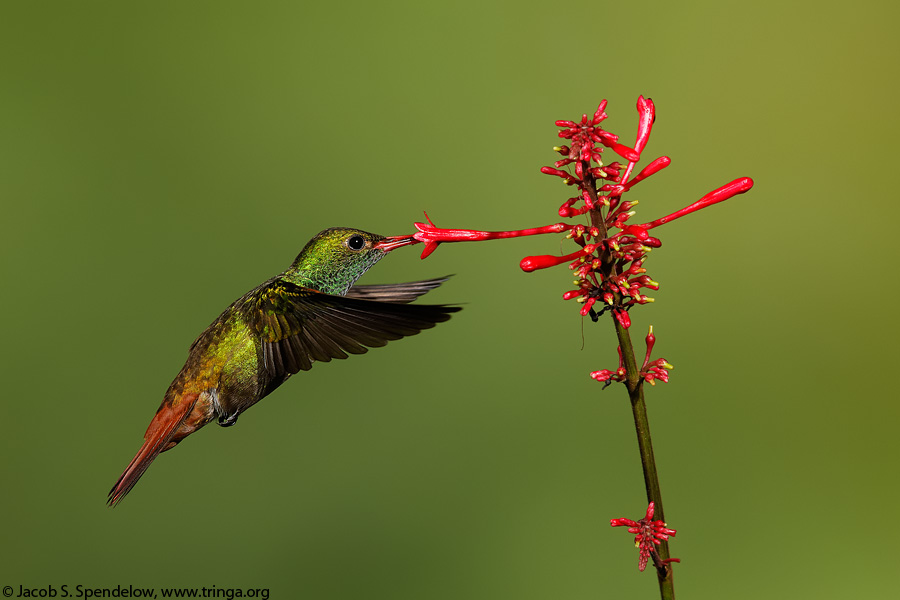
(395,241)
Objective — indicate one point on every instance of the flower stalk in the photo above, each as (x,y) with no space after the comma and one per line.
(649,534)
(610,275)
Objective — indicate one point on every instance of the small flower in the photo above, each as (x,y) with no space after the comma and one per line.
(648,535)
(609,376)
(650,370)
(658,369)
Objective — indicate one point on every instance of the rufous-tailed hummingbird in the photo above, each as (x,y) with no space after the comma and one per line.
(308,313)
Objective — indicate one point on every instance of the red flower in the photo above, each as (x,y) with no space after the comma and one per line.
(648,535)
(658,369)
(610,376)
(608,266)
(432,236)
(650,371)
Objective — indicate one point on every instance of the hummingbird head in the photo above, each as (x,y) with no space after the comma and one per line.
(335,258)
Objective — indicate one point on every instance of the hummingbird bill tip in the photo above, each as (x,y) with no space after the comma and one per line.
(396,241)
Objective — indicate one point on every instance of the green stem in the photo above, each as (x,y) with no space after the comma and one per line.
(635,385)
(645,445)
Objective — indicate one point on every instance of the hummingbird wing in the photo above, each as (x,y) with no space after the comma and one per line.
(298,325)
(395,292)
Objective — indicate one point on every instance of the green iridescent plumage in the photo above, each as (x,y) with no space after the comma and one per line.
(327,263)
(309,313)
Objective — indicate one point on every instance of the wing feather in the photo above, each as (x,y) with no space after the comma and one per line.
(298,326)
(395,292)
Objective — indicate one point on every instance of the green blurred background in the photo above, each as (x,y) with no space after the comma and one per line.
(157,160)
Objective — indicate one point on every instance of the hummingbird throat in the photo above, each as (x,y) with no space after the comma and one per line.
(331,272)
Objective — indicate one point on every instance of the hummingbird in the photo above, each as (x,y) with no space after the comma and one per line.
(309,313)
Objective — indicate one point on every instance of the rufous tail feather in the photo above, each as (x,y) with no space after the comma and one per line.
(160,432)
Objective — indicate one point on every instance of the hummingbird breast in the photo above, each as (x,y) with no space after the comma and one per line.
(222,368)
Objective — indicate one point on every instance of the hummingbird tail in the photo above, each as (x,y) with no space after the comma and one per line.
(157,439)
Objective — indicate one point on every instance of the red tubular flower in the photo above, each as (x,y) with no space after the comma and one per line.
(650,340)
(658,369)
(605,375)
(622,317)
(432,236)
(654,167)
(610,376)
(607,258)
(588,305)
(625,152)
(647,116)
(729,190)
(566,176)
(648,535)
(533,263)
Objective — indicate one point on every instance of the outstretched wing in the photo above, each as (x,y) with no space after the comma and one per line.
(298,325)
(395,292)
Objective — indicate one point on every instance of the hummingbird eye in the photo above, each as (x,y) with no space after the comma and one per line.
(356,242)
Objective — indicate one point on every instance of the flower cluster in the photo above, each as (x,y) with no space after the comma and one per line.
(608,267)
(650,370)
(648,535)
(608,264)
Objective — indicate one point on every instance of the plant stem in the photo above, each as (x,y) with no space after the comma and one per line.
(635,385)
(642,427)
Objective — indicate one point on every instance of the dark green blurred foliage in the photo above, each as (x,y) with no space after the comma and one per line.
(158,160)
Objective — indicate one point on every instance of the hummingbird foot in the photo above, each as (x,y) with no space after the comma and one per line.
(224,419)
(228,420)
